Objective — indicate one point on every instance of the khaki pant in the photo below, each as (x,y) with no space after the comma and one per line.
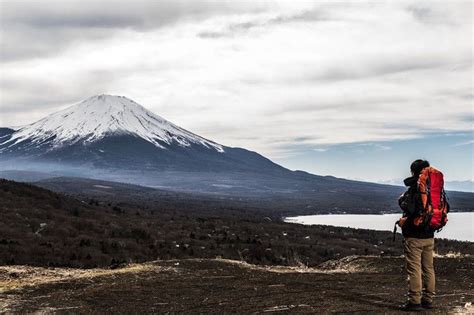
(419,264)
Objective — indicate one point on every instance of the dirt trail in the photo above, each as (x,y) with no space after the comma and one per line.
(356,285)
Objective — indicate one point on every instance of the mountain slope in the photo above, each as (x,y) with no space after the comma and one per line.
(114,132)
(5,134)
(40,227)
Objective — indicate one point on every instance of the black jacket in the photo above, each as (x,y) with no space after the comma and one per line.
(411,204)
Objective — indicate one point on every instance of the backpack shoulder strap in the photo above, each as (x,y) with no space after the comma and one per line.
(423,185)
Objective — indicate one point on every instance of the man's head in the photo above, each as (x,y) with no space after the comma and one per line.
(418,165)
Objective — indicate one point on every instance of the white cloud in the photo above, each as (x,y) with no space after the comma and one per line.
(464,143)
(264,77)
(320,149)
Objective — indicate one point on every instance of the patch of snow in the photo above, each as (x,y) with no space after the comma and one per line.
(101,115)
(102,186)
(222,185)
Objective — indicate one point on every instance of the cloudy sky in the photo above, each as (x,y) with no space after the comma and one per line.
(353,89)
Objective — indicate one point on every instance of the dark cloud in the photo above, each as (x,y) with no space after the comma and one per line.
(361,67)
(210,34)
(317,14)
(32,29)
(21,43)
(242,27)
(344,105)
(421,13)
(378,66)
(437,12)
(139,14)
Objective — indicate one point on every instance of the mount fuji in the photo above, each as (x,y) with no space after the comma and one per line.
(114,132)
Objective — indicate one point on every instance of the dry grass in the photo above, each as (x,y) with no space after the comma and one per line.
(18,277)
(350,264)
(451,255)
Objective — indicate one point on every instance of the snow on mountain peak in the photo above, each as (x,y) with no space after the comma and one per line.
(101,115)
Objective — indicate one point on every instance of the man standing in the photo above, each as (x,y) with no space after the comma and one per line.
(418,245)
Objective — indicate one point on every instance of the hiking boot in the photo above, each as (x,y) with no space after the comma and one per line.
(427,305)
(410,307)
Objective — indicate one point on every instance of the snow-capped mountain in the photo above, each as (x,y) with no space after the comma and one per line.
(114,132)
(100,116)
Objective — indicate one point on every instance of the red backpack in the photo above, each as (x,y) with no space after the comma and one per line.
(435,206)
(434,212)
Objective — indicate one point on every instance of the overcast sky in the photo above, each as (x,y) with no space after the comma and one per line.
(329,87)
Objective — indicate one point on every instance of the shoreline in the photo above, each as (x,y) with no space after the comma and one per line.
(342,219)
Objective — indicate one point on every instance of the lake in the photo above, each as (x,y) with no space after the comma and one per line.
(460,225)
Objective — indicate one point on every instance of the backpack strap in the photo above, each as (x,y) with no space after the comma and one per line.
(424,187)
(428,191)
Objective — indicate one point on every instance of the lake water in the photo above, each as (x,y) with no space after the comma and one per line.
(460,225)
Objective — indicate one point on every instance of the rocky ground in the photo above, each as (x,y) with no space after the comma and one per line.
(354,284)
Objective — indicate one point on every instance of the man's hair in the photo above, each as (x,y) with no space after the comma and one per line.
(418,165)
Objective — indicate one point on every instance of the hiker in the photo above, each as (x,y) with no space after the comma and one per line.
(425,210)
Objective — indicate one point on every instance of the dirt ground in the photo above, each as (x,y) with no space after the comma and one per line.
(352,285)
